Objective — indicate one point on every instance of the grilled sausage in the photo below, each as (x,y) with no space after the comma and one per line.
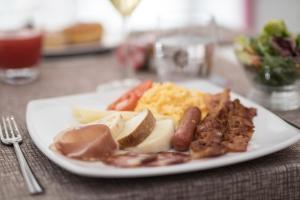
(184,134)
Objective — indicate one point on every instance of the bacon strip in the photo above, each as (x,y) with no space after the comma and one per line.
(228,128)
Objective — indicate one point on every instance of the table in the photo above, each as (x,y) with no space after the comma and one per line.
(276,176)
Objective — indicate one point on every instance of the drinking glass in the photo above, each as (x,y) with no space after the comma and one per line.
(185,46)
(20,45)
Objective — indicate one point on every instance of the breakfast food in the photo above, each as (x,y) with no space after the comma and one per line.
(129,100)
(159,139)
(86,143)
(216,102)
(83,33)
(88,115)
(163,124)
(184,134)
(171,100)
(115,123)
(53,39)
(227,130)
(136,129)
(80,33)
(130,160)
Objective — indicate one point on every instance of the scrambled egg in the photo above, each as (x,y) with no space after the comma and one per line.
(171,100)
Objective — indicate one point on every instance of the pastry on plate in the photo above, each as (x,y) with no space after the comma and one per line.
(83,33)
(53,40)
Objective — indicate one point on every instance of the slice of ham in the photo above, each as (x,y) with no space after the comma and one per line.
(91,142)
(169,158)
(132,160)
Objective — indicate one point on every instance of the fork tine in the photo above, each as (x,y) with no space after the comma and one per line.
(5,135)
(17,133)
(1,133)
(11,130)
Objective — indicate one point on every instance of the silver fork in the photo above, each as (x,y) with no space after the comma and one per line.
(10,135)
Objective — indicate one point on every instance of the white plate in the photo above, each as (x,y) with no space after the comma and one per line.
(46,117)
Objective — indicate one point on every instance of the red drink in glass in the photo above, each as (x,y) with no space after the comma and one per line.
(20,49)
(20,53)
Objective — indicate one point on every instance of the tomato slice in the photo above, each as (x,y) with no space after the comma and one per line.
(142,88)
(125,103)
(129,100)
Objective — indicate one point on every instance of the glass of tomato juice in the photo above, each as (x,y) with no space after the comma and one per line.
(20,48)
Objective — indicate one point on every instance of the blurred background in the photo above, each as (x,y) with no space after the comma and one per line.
(247,15)
(169,40)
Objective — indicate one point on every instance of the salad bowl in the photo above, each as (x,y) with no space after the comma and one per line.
(271,61)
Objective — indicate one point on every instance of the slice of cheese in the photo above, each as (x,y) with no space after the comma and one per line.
(159,139)
(115,123)
(89,115)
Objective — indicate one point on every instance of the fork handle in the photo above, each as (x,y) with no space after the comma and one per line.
(32,183)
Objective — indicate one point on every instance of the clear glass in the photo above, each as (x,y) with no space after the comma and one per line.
(282,98)
(127,70)
(20,45)
(277,98)
(185,47)
(125,9)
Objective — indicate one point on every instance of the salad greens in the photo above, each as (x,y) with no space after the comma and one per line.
(274,55)
(298,41)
